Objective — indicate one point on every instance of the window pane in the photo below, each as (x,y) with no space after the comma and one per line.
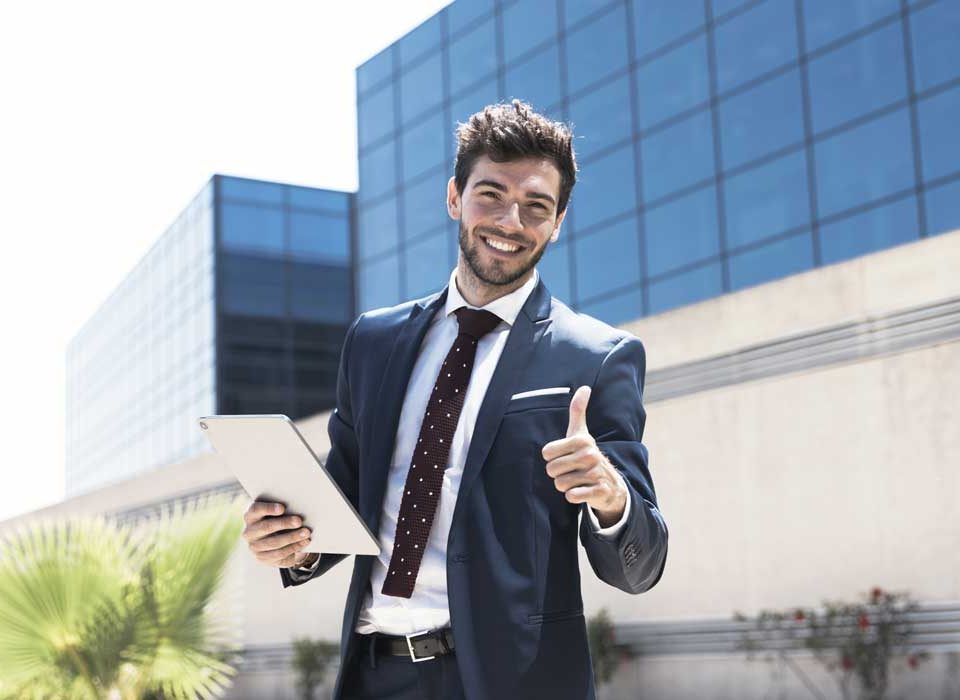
(686,288)
(526,24)
(755,42)
(601,118)
(827,20)
(722,7)
(424,205)
(943,208)
(536,79)
(424,274)
(857,78)
(253,286)
(939,138)
(377,228)
(251,190)
(423,146)
(597,49)
(311,198)
(252,228)
(376,70)
(772,261)
(872,230)
(421,88)
(658,22)
(378,172)
(863,164)
(763,119)
(375,115)
(461,15)
(674,82)
(682,232)
(575,11)
(473,56)
(608,188)
(319,237)
(379,283)
(767,200)
(608,258)
(319,292)
(419,41)
(616,310)
(473,101)
(554,268)
(935,34)
(678,156)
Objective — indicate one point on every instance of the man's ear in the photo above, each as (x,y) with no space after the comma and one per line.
(556,227)
(453,199)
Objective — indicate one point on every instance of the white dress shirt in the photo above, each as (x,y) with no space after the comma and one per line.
(427,608)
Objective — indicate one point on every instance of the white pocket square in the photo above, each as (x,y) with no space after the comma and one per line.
(540,392)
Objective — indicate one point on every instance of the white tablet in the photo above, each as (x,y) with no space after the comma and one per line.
(273,462)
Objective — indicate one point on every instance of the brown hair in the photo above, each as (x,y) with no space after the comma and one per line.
(505,132)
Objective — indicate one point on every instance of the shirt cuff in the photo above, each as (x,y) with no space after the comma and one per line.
(298,573)
(612,531)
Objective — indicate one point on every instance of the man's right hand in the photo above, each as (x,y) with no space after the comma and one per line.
(276,539)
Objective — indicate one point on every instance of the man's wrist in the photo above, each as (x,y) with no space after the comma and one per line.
(309,562)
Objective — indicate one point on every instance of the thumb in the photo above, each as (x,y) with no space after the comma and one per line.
(578,411)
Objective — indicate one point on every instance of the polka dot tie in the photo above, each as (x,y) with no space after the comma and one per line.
(421,493)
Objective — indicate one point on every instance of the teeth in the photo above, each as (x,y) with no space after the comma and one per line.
(502,246)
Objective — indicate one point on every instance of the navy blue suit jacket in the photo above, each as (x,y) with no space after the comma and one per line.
(512,573)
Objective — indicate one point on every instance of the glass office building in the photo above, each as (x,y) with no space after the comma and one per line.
(721,143)
(240,307)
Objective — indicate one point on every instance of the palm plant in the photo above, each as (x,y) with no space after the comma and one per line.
(93,610)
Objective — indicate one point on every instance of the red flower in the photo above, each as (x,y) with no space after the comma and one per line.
(913,661)
(799,615)
(846,662)
(876,594)
(863,622)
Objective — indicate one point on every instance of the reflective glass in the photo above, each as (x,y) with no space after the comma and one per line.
(375,70)
(882,227)
(461,15)
(722,7)
(253,286)
(767,200)
(763,119)
(673,82)
(601,118)
(375,115)
(419,41)
(377,228)
(759,40)
(378,173)
(826,20)
(251,228)
(864,164)
(943,208)
(319,237)
(536,79)
(311,198)
(424,204)
(554,268)
(421,87)
(771,261)
(473,101)
(319,292)
(608,258)
(677,156)
(658,22)
(424,271)
(423,146)
(682,231)
(379,283)
(686,288)
(526,24)
(608,188)
(939,117)
(597,49)
(575,11)
(251,190)
(473,56)
(935,34)
(621,308)
(859,77)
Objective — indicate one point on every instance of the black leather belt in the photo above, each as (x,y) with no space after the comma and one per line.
(421,646)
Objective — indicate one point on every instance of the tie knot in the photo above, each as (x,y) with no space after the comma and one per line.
(476,322)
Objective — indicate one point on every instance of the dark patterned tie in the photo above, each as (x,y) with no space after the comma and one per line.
(421,493)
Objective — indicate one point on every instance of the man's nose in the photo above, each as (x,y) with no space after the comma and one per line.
(509,218)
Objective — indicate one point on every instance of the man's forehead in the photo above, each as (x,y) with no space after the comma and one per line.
(524,172)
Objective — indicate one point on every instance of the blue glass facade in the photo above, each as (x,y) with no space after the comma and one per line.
(722,143)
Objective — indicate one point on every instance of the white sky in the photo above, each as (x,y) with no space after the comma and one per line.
(112,116)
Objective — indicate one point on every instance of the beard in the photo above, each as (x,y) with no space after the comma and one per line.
(495,271)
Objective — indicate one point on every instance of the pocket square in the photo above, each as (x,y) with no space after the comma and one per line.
(540,392)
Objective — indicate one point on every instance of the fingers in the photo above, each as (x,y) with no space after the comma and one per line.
(565,446)
(581,477)
(282,555)
(582,458)
(261,509)
(578,411)
(278,541)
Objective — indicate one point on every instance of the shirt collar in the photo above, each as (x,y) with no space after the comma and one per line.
(506,307)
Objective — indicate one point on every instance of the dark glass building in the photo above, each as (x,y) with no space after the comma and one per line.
(240,307)
(721,143)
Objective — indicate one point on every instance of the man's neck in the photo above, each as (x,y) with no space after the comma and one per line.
(478,293)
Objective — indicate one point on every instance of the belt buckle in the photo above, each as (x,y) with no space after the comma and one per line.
(413,655)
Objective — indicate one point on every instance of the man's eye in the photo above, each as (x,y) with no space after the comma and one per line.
(490,194)
(537,204)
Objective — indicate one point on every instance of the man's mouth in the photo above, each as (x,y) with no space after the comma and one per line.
(500,246)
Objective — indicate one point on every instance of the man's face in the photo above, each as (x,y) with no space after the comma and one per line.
(512,204)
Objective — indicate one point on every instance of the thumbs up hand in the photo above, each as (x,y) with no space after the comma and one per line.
(580,470)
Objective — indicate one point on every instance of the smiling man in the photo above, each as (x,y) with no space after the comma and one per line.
(478,430)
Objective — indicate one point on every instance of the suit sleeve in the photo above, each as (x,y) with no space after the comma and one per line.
(342,461)
(633,560)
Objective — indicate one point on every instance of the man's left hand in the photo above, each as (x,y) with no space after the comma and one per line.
(581,471)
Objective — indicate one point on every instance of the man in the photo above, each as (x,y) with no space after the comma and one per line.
(472,428)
